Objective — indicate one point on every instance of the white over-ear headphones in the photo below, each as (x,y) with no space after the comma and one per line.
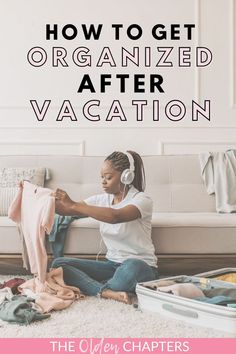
(128,175)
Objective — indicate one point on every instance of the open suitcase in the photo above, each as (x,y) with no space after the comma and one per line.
(190,310)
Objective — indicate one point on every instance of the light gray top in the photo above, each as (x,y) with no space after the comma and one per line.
(218,171)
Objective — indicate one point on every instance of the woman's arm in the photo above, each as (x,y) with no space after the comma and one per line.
(109,215)
(66,206)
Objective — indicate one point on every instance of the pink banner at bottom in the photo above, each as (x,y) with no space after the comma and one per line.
(117,345)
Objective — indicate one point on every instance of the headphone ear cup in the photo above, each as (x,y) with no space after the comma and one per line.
(123,176)
(127,176)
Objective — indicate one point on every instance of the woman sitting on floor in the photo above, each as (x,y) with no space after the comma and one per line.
(125,213)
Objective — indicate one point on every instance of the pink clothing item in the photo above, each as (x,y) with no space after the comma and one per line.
(34,208)
(183,289)
(55,294)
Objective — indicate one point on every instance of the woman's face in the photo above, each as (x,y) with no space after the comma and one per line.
(110,178)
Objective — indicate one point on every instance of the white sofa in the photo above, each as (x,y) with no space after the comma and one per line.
(187,232)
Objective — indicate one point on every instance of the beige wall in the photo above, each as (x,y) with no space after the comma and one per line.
(22,26)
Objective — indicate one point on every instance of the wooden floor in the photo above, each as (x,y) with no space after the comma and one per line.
(167,264)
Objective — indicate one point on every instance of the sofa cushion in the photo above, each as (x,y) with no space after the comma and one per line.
(175,184)
(193,219)
(7,195)
(172,186)
(172,233)
(160,220)
(9,178)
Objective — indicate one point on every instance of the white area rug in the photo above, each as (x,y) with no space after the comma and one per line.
(100,318)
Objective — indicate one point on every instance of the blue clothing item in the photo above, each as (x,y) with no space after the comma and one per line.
(92,277)
(216,300)
(58,233)
(19,310)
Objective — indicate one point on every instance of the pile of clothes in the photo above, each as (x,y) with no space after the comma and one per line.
(17,308)
(24,301)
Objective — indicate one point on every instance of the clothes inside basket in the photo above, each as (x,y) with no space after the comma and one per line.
(201,282)
(229,277)
(224,274)
(208,290)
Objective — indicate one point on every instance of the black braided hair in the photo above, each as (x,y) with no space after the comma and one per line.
(120,162)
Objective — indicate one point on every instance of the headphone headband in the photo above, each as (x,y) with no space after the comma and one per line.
(131,161)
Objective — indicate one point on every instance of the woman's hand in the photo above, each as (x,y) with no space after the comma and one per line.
(20,184)
(63,203)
